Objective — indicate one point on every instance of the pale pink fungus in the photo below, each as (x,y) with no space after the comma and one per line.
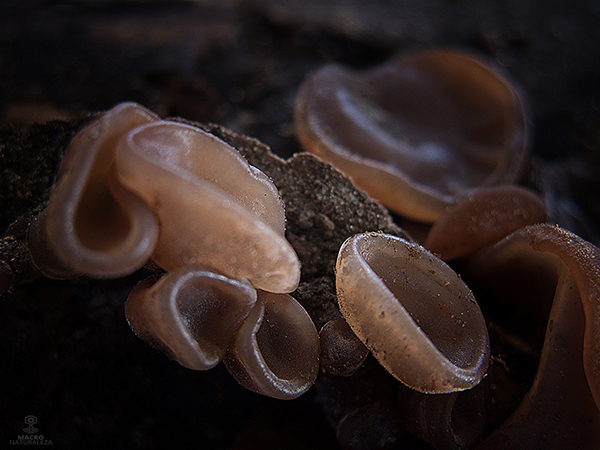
(214,209)
(92,225)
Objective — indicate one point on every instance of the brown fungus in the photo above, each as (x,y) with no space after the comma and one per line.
(533,269)
(418,131)
(276,350)
(413,312)
(342,353)
(483,218)
(214,209)
(93,225)
(191,314)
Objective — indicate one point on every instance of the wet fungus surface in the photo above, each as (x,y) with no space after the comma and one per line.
(191,314)
(418,131)
(276,350)
(413,312)
(549,276)
(446,134)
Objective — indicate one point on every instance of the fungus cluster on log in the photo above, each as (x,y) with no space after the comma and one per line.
(437,136)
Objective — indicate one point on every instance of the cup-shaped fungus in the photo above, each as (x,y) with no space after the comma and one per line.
(190,314)
(214,209)
(276,350)
(483,218)
(418,131)
(92,225)
(412,312)
(532,268)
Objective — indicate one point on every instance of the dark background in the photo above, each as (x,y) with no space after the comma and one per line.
(69,357)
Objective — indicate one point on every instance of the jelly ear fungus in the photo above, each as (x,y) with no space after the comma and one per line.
(418,131)
(412,312)
(550,278)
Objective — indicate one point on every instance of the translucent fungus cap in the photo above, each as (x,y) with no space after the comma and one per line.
(417,131)
(276,350)
(191,314)
(92,225)
(214,209)
(482,218)
(412,312)
(546,268)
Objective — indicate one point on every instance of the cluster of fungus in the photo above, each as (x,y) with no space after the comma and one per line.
(437,136)
(133,188)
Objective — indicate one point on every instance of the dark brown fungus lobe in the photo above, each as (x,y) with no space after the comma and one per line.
(483,218)
(533,268)
(92,224)
(452,421)
(214,209)
(413,313)
(418,131)
(276,350)
(342,353)
(190,314)
(371,427)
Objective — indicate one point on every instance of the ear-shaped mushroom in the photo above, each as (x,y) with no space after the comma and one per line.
(483,218)
(418,131)
(191,314)
(561,410)
(215,210)
(91,224)
(276,350)
(413,312)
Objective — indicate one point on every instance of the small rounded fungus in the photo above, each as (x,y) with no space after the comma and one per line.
(190,314)
(214,209)
(412,312)
(418,131)
(276,350)
(342,353)
(483,218)
(92,225)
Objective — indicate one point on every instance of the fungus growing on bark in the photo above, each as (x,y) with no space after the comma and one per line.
(214,209)
(418,131)
(92,224)
(537,269)
(483,218)
(191,314)
(412,312)
(130,171)
(276,350)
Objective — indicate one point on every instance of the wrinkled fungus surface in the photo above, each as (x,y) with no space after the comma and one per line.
(417,131)
(276,350)
(413,312)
